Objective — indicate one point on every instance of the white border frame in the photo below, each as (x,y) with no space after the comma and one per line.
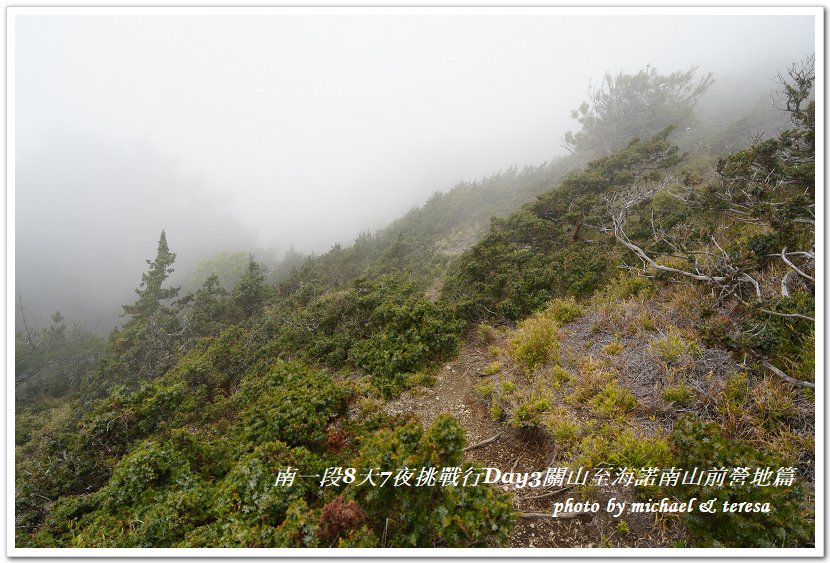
(817,551)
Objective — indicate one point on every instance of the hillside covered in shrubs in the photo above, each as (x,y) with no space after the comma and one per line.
(633,305)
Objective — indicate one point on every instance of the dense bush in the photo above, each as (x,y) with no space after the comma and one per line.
(290,403)
(432,516)
(384,327)
(788,524)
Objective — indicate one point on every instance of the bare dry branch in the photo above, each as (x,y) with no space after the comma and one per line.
(784,376)
(794,267)
(482,443)
(789,315)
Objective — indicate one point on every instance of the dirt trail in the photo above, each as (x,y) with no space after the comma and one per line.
(455,393)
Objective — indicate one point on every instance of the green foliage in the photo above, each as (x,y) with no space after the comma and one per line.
(485,390)
(528,413)
(299,527)
(209,310)
(486,332)
(437,516)
(251,293)
(789,341)
(53,361)
(148,466)
(384,327)
(290,403)
(247,493)
(789,522)
(674,348)
(151,293)
(422,242)
(145,347)
(564,310)
(613,401)
(565,432)
(173,438)
(631,450)
(541,252)
(227,267)
(535,342)
(152,499)
(624,448)
(680,394)
(624,287)
(613,348)
(219,363)
(628,106)
(560,375)
(492,368)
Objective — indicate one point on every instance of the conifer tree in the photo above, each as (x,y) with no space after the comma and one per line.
(150,293)
(148,341)
(250,293)
(627,106)
(209,309)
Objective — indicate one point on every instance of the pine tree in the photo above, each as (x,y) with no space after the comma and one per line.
(627,106)
(209,309)
(150,293)
(149,340)
(251,292)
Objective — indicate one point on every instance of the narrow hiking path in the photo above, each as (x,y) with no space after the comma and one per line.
(455,393)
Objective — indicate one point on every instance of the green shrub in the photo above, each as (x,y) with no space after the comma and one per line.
(486,332)
(621,288)
(437,516)
(565,432)
(564,310)
(613,401)
(647,323)
(539,252)
(247,493)
(406,333)
(788,524)
(680,394)
(149,466)
(384,327)
(485,390)
(528,413)
(622,449)
(535,342)
(292,404)
(152,500)
(613,348)
(631,450)
(673,348)
(492,368)
(560,375)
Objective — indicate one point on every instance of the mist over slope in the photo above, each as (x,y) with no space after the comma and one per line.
(322,344)
(262,153)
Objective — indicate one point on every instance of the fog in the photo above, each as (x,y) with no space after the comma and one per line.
(258,133)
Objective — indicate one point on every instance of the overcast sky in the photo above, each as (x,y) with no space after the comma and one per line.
(243,132)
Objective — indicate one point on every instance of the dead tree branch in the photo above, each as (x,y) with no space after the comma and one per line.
(794,267)
(482,443)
